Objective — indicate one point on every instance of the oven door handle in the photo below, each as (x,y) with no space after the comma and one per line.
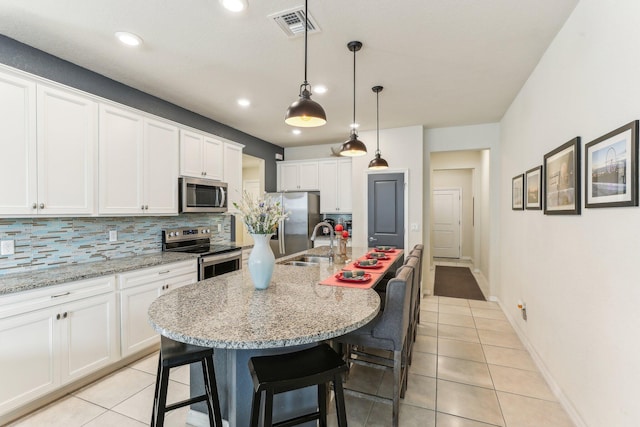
(220,257)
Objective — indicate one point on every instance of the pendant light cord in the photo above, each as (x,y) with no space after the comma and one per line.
(306,25)
(354,91)
(377,122)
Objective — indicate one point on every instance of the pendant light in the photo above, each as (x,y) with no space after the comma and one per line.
(353,146)
(378,162)
(305,112)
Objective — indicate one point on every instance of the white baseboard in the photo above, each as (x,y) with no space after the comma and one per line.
(553,385)
(200,419)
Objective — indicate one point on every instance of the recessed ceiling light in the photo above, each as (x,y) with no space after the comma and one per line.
(243,102)
(296,131)
(320,89)
(234,5)
(354,125)
(129,39)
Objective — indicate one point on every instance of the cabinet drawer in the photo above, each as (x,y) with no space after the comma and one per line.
(36,299)
(153,274)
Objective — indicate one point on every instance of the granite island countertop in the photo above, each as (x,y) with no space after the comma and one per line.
(228,312)
(20,282)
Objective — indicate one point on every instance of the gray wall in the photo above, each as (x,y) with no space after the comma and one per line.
(34,61)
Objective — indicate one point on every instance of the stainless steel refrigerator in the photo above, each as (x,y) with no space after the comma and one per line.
(293,233)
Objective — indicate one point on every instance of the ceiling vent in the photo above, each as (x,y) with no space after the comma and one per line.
(291,21)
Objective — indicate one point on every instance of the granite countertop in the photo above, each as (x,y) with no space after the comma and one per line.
(55,276)
(227,312)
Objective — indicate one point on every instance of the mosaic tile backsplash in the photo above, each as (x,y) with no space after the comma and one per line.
(42,243)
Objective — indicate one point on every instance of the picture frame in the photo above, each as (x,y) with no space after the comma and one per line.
(533,194)
(562,179)
(517,193)
(611,169)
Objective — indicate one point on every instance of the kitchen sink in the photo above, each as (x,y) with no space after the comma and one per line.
(307,260)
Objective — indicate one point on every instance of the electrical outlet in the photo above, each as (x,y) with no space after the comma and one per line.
(113,235)
(219,228)
(7,247)
(415,227)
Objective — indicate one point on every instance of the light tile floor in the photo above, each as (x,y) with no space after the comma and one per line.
(469,370)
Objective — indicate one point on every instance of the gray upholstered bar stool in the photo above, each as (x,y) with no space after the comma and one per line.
(387,331)
(412,262)
(279,373)
(172,355)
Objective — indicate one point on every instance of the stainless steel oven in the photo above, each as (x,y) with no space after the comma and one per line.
(213,259)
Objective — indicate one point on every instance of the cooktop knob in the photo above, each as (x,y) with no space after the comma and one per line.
(208,231)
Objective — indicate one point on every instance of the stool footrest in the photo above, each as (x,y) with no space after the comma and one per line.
(298,420)
(186,402)
(368,396)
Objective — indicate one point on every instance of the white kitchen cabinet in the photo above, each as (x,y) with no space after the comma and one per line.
(233,174)
(53,336)
(138,164)
(201,156)
(66,152)
(335,186)
(298,176)
(138,289)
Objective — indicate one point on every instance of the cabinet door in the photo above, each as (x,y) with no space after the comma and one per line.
(136,333)
(191,154)
(67,149)
(161,151)
(121,161)
(308,176)
(233,174)
(88,336)
(344,186)
(288,177)
(18,177)
(328,186)
(28,365)
(212,158)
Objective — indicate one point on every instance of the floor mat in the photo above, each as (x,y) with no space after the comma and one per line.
(456,282)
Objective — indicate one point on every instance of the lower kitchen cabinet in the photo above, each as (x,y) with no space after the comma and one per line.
(53,336)
(138,289)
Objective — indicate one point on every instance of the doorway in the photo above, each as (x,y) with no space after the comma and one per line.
(386,209)
(252,182)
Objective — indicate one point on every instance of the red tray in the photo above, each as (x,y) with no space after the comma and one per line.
(361,279)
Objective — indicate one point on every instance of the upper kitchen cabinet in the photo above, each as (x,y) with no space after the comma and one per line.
(335,186)
(138,164)
(233,173)
(18,177)
(49,166)
(298,176)
(201,156)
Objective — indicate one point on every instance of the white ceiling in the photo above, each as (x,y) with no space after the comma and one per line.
(442,62)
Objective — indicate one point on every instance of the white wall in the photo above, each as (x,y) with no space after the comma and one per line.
(458,142)
(578,274)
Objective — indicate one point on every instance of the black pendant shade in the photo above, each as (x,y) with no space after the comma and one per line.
(305,112)
(378,162)
(353,147)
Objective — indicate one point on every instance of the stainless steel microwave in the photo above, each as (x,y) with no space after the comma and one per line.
(202,195)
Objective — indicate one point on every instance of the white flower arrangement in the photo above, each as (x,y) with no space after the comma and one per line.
(260,216)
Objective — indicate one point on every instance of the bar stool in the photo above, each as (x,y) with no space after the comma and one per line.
(174,354)
(291,371)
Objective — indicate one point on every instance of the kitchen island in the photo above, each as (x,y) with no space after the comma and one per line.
(295,312)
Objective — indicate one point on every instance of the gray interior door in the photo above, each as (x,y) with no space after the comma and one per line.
(385,199)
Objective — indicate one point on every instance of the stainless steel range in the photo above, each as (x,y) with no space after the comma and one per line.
(214,260)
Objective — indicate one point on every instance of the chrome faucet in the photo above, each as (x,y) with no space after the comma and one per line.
(331,235)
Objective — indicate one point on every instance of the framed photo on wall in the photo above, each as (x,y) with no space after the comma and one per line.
(562,179)
(533,195)
(517,193)
(611,169)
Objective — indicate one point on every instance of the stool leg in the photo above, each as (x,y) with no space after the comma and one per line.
(322,404)
(339,396)
(211,388)
(155,393)
(255,408)
(162,395)
(268,408)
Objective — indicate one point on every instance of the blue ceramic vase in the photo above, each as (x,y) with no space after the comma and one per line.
(261,261)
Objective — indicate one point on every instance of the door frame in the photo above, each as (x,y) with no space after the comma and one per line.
(459,190)
(405,173)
